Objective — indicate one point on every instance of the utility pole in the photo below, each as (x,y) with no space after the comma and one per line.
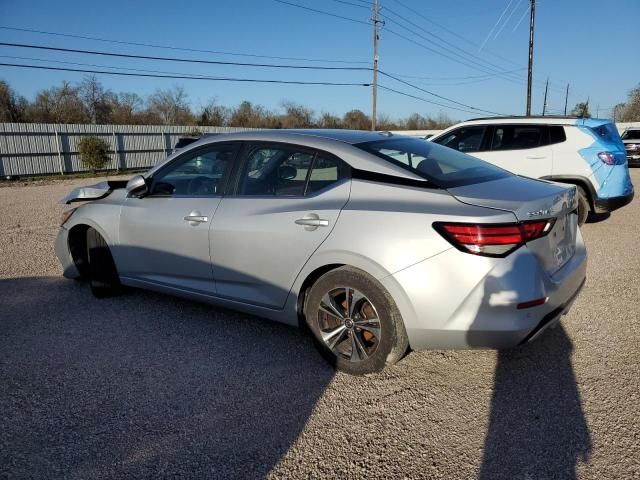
(544,105)
(530,74)
(566,98)
(597,111)
(374,91)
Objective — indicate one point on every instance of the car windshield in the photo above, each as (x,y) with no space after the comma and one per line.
(631,135)
(442,166)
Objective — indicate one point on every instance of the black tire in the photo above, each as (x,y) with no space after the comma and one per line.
(583,206)
(102,273)
(392,343)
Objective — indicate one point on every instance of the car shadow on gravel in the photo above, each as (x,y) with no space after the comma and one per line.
(537,428)
(146,385)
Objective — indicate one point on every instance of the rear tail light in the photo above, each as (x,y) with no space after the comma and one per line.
(497,240)
(607,157)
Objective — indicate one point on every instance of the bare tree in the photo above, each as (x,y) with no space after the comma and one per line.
(328,120)
(13,107)
(296,116)
(631,111)
(126,109)
(59,105)
(251,116)
(356,120)
(213,114)
(96,100)
(170,106)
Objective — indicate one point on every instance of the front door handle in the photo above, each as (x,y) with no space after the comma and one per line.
(195,218)
(312,221)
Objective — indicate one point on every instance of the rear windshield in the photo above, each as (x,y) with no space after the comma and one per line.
(608,132)
(631,135)
(442,166)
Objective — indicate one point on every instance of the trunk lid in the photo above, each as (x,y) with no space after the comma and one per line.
(528,200)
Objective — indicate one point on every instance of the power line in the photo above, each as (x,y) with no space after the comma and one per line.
(168,47)
(186,77)
(322,12)
(436,95)
(352,4)
(425,100)
(186,60)
(496,24)
(492,67)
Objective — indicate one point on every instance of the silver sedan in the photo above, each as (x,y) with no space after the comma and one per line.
(378,243)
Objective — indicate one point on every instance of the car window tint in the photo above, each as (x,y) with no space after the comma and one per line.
(557,134)
(198,173)
(631,135)
(443,167)
(275,171)
(326,171)
(466,139)
(518,137)
(408,158)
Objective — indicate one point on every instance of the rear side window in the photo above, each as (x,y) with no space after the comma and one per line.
(444,167)
(288,172)
(519,137)
(557,134)
(465,139)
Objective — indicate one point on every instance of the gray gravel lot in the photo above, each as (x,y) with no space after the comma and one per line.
(145,385)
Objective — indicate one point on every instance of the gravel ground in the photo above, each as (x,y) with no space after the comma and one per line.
(145,385)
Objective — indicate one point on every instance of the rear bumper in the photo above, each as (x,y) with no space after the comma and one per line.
(460,301)
(610,204)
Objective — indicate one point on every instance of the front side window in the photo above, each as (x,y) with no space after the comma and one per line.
(519,137)
(199,173)
(465,139)
(444,167)
(288,172)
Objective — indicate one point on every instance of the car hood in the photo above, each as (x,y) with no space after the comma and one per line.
(93,192)
(527,198)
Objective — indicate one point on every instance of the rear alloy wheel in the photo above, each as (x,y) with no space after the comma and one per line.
(355,322)
(102,273)
(583,206)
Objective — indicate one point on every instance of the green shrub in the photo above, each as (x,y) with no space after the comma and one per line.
(94,153)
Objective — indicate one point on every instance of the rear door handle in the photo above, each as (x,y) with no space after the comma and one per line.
(195,217)
(313,222)
(536,157)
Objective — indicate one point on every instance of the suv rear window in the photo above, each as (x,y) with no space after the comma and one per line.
(518,137)
(442,166)
(557,134)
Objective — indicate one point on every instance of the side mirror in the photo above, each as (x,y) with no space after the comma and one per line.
(137,187)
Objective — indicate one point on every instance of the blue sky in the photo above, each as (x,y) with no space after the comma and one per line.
(589,43)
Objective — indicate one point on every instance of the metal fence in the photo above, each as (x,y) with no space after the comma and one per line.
(44,149)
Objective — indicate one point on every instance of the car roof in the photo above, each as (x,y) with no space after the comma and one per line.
(540,120)
(341,143)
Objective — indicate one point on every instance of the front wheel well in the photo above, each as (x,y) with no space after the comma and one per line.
(77,239)
(306,286)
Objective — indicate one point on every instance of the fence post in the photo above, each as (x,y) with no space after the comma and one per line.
(116,157)
(59,149)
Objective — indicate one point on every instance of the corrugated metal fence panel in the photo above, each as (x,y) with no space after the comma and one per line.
(40,149)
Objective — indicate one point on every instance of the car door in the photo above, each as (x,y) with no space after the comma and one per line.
(286,202)
(521,149)
(164,236)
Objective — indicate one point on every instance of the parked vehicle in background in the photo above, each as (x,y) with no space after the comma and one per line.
(631,140)
(378,242)
(184,141)
(584,152)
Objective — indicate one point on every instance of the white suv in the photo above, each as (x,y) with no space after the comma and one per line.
(584,152)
